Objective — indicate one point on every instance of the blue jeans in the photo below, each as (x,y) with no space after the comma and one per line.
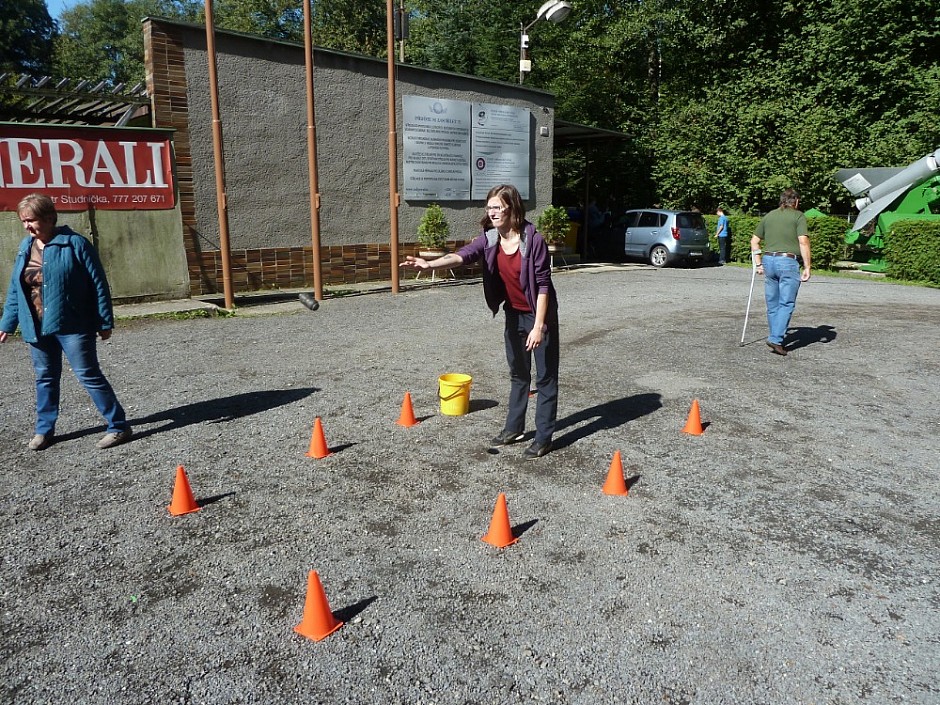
(518,326)
(82,354)
(781,285)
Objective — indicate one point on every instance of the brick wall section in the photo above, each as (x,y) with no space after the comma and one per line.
(292,267)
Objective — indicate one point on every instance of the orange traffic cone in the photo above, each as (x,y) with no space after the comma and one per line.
(183,500)
(500,533)
(615,483)
(318,621)
(694,424)
(407,417)
(318,447)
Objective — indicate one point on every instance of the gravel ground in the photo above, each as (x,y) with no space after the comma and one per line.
(786,555)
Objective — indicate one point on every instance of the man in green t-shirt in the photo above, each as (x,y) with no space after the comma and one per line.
(781,238)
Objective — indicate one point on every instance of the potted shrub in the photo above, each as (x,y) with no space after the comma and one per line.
(554,225)
(433,231)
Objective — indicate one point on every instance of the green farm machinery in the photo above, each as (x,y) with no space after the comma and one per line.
(884,196)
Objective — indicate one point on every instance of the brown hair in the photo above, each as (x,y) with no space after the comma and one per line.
(40,205)
(789,198)
(509,196)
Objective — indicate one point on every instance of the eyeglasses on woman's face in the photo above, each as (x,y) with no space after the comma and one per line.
(496,209)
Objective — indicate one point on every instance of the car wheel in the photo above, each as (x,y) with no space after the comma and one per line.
(659,256)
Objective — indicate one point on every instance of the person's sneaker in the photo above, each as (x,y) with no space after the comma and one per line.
(40,441)
(109,440)
(537,450)
(309,300)
(507,437)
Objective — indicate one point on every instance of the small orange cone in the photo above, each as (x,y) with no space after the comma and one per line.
(318,621)
(615,483)
(318,447)
(183,500)
(407,417)
(694,424)
(500,533)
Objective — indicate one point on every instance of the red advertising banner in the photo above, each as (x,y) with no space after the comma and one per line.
(82,168)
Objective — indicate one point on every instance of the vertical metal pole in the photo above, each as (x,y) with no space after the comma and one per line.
(521,52)
(402,24)
(312,157)
(392,146)
(220,196)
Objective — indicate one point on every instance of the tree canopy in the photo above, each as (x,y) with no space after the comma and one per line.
(724,102)
(27,32)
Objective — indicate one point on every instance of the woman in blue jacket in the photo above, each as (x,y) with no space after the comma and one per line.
(60,300)
(517,273)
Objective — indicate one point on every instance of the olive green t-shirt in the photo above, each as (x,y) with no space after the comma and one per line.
(780,230)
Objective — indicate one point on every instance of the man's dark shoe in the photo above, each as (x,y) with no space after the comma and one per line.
(507,437)
(537,450)
(310,301)
(777,348)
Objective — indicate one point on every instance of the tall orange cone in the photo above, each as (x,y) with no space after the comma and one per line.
(183,500)
(615,483)
(500,533)
(318,447)
(318,621)
(407,417)
(694,423)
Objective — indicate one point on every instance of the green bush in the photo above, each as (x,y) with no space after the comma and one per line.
(741,227)
(912,250)
(554,224)
(433,230)
(826,236)
(827,241)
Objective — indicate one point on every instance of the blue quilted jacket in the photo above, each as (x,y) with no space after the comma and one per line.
(75,293)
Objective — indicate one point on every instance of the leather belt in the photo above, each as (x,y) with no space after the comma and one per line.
(780,254)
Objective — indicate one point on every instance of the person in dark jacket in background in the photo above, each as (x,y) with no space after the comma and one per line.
(60,300)
(517,274)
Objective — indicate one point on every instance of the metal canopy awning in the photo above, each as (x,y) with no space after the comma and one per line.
(29,99)
(574,134)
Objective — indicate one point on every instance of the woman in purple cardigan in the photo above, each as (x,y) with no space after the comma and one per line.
(517,274)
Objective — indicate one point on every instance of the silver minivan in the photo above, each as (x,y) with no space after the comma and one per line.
(664,237)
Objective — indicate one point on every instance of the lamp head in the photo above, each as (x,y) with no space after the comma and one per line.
(554,11)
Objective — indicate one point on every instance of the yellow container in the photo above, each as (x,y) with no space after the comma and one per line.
(455,394)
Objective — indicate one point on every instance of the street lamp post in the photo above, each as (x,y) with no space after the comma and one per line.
(553,11)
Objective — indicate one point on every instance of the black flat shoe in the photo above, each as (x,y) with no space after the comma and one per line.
(537,450)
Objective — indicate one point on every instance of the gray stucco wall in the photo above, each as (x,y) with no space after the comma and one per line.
(262,103)
(142,251)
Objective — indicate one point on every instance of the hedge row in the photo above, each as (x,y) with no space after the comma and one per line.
(826,236)
(912,250)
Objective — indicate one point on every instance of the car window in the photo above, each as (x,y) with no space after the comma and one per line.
(662,219)
(649,220)
(630,219)
(691,221)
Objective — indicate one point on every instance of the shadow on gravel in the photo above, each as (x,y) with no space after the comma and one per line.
(481,404)
(802,336)
(606,416)
(346,614)
(220,410)
(519,529)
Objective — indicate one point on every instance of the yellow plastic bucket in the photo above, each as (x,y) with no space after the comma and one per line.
(455,394)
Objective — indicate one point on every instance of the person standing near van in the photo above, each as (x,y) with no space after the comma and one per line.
(60,300)
(723,233)
(517,275)
(781,238)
